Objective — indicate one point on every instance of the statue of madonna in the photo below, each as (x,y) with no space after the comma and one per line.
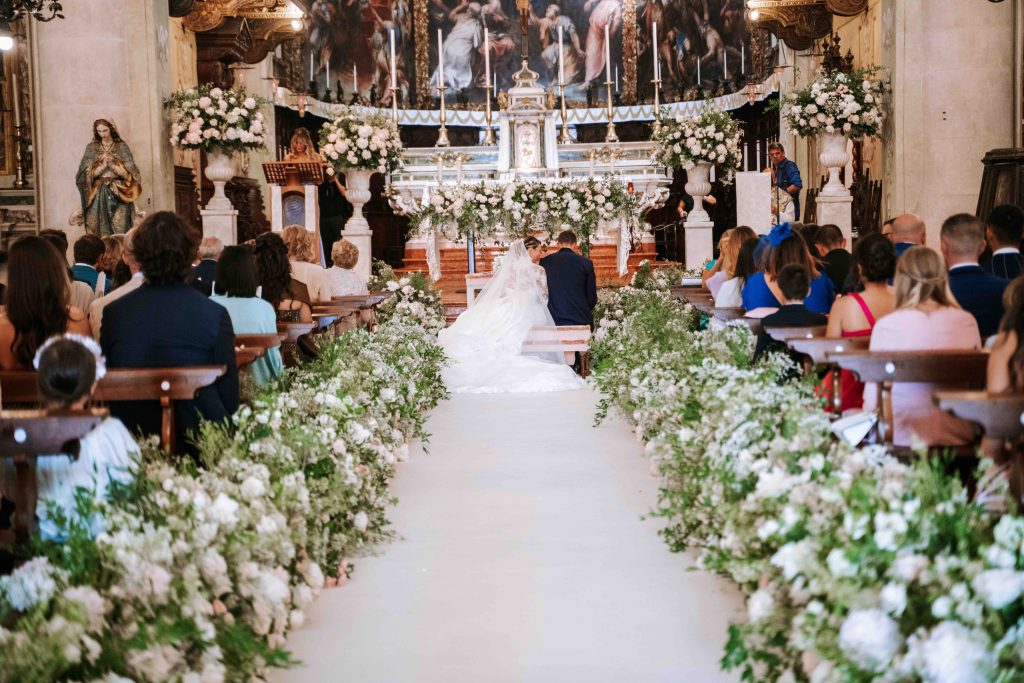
(108,181)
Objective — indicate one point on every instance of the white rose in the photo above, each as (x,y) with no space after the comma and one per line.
(894,598)
(954,654)
(999,587)
(760,605)
(870,639)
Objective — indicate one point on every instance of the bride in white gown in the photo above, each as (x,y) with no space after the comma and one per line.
(484,344)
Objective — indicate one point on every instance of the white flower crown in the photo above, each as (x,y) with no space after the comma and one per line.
(87,342)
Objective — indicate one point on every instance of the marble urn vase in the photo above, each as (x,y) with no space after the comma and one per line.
(219,170)
(358,193)
(698,186)
(833,155)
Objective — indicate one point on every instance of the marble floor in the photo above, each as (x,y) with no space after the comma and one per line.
(523,557)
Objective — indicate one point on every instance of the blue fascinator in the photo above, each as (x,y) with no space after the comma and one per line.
(779,234)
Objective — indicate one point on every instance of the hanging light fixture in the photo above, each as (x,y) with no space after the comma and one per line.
(42,10)
(6,38)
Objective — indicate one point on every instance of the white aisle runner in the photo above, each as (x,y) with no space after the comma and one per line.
(523,558)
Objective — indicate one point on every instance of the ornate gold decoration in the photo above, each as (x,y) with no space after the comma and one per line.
(421,43)
(801,22)
(629,49)
(604,154)
(210,14)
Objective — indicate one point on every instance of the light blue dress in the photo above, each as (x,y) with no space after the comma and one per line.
(253,315)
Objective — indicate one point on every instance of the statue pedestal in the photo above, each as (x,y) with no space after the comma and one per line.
(699,242)
(221,223)
(837,211)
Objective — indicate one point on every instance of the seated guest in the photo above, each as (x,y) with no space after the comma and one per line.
(926,318)
(784,248)
(69,367)
(854,315)
(236,291)
(113,245)
(339,280)
(1006,362)
(167,323)
(3,276)
(794,284)
(38,303)
(1004,231)
(886,230)
(830,246)
(730,294)
(728,250)
(979,293)
(128,260)
(278,286)
(204,272)
(81,293)
(714,267)
(300,255)
(89,251)
(908,231)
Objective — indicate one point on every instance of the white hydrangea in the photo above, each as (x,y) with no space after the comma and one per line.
(870,639)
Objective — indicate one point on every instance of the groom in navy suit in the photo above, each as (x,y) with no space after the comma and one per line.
(572,285)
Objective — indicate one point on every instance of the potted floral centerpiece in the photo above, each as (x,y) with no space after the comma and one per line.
(835,107)
(221,122)
(360,144)
(696,143)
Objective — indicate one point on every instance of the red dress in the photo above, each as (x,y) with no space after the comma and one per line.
(853,390)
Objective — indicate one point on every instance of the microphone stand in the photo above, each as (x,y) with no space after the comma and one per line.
(775,173)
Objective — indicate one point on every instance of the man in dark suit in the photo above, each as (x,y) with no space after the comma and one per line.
(205,272)
(831,247)
(1003,233)
(166,323)
(572,284)
(795,285)
(962,241)
(908,231)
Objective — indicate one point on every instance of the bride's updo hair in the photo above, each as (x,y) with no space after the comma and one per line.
(531,242)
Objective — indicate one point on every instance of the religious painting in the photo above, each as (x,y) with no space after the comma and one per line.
(700,43)
(583,25)
(349,49)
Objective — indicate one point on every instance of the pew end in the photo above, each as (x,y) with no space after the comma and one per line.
(565,339)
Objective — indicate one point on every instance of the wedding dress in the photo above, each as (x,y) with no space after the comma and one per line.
(484,345)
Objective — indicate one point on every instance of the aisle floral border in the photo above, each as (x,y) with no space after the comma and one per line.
(201,571)
(855,567)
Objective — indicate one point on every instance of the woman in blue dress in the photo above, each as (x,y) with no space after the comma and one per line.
(786,247)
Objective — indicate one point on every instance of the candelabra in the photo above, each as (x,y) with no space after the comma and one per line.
(327,96)
(19,154)
(442,133)
(313,89)
(488,131)
(564,138)
(612,136)
(657,105)
(394,105)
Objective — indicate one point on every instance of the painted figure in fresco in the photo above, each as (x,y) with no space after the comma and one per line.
(504,46)
(605,13)
(572,55)
(108,181)
(461,43)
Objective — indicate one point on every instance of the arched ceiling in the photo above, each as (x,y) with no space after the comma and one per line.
(801,22)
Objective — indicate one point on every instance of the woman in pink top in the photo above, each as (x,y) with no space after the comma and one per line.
(927,318)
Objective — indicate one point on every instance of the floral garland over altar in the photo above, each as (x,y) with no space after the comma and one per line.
(199,573)
(856,567)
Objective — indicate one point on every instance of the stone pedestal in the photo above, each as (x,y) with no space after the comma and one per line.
(221,223)
(699,242)
(837,211)
(754,200)
(363,239)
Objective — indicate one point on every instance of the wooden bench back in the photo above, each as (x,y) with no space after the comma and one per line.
(292,331)
(782,333)
(28,434)
(565,339)
(817,347)
(259,341)
(727,314)
(164,385)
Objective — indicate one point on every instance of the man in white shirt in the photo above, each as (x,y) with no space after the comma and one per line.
(97,306)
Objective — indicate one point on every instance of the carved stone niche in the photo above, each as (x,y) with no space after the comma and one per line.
(801,22)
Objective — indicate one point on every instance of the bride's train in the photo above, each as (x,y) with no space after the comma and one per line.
(484,344)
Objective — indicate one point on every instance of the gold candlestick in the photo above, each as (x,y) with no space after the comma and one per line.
(442,134)
(394,105)
(657,106)
(612,136)
(488,131)
(564,138)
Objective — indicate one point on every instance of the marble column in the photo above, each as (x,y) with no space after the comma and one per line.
(107,59)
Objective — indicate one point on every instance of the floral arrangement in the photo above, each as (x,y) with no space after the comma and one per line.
(488,210)
(211,118)
(356,138)
(712,137)
(856,567)
(199,575)
(849,104)
(415,300)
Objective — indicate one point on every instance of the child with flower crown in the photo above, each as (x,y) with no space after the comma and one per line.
(69,367)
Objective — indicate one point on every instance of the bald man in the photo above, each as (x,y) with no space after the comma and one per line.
(907,231)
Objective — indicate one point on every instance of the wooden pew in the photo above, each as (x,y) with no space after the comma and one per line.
(565,339)
(249,347)
(886,368)
(336,318)
(164,385)
(814,351)
(289,343)
(366,305)
(727,314)
(27,434)
(1001,416)
(784,333)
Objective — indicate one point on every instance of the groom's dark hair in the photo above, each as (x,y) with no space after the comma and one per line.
(567,237)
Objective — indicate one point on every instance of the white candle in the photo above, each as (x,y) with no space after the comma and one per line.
(15,99)
(743,58)
(329,75)
(698,71)
(654,49)
(757,153)
(616,78)
(487,60)
(607,55)
(394,70)
(355,79)
(311,74)
(746,156)
(561,65)
(725,63)
(440,60)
